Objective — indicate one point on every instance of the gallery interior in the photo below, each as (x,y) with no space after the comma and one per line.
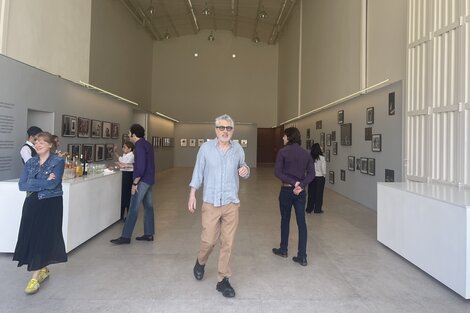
(382,86)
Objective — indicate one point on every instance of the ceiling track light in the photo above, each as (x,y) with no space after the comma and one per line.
(256,39)
(151,8)
(211,36)
(206,11)
(262,13)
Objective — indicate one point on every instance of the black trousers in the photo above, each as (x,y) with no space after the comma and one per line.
(315,194)
(126,192)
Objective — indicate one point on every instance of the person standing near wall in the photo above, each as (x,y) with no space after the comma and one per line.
(316,187)
(141,192)
(40,240)
(219,163)
(294,167)
(28,150)
(126,164)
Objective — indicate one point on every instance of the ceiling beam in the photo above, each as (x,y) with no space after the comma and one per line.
(194,22)
(275,30)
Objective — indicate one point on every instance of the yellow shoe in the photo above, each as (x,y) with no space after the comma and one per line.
(43,274)
(33,287)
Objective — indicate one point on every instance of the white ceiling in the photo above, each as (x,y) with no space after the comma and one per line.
(174,18)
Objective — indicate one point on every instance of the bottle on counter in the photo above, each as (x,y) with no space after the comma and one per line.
(84,165)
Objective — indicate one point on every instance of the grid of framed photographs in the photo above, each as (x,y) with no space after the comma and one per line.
(82,127)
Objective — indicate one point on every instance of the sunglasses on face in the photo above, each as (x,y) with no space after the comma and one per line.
(222,128)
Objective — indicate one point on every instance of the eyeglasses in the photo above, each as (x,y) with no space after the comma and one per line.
(222,128)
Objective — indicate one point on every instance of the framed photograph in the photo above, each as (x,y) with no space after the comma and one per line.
(200,141)
(351,163)
(335,148)
(88,152)
(327,155)
(154,141)
(192,142)
(389,176)
(331,177)
(343,175)
(95,129)
(318,124)
(346,134)
(358,164)
(160,141)
(109,152)
(368,133)
(114,130)
(69,126)
(106,130)
(328,140)
(308,133)
(391,103)
(364,165)
(322,140)
(99,153)
(376,142)
(84,126)
(333,135)
(370,115)
(341,117)
(244,143)
(125,138)
(73,149)
(371,166)
(166,142)
(309,144)
(183,142)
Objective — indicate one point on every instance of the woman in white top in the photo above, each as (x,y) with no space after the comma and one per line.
(316,187)
(126,164)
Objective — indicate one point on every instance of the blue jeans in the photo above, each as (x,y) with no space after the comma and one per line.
(144,195)
(287,199)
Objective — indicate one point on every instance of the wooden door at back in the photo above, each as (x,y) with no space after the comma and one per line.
(269,143)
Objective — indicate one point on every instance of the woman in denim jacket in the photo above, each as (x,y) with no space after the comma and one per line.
(40,241)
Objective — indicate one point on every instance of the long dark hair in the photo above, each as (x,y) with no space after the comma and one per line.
(315,152)
(293,135)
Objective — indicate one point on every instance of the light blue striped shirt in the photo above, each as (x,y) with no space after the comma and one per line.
(218,171)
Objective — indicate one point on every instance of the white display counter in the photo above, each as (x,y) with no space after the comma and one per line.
(91,204)
(429,225)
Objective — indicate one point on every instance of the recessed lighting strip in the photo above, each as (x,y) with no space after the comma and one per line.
(89,86)
(167,117)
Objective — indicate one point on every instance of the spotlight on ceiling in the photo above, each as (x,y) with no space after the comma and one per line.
(211,36)
(167,35)
(262,13)
(256,39)
(206,11)
(151,8)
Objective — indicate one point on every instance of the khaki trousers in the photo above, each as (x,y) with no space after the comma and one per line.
(218,223)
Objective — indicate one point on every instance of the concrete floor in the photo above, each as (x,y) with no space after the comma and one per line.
(348,270)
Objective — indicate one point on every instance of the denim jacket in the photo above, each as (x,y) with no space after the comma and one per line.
(34,177)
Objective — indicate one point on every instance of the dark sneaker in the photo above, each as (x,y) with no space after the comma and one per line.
(145,238)
(225,288)
(301,261)
(279,252)
(121,240)
(198,270)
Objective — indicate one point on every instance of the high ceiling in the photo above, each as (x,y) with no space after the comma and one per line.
(257,20)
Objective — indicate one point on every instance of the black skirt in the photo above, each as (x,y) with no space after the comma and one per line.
(40,241)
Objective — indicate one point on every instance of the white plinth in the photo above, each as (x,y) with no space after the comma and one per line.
(428,224)
(91,204)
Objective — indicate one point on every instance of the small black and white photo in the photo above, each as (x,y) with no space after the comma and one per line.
(331,177)
(95,129)
(341,117)
(343,175)
(69,126)
(328,140)
(335,148)
(327,155)
(370,115)
(391,103)
(364,165)
(371,166)
(376,142)
(351,163)
(389,176)
(83,127)
(106,130)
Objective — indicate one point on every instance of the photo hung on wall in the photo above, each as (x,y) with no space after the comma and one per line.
(69,126)
(327,155)
(358,164)
(346,132)
(114,130)
(343,175)
(318,124)
(95,129)
(308,144)
(108,154)
(333,135)
(370,115)
(341,117)
(88,151)
(154,141)
(376,142)
(308,133)
(368,133)
(371,166)
(391,103)
(192,142)
(364,165)
(99,153)
(328,140)
(335,148)
(331,177)
(73,149)
(125,138)
(106,130)
(351,163)
(244,143)
(84,126)
(183,142)
(322,141)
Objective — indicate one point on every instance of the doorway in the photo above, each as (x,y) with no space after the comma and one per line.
(269,143)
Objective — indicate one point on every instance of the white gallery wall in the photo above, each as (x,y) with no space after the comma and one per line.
(197,89)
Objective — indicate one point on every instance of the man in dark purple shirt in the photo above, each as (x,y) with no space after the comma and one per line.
(141,192)
(294,167)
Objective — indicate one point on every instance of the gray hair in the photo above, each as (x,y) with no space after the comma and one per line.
(224,117)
